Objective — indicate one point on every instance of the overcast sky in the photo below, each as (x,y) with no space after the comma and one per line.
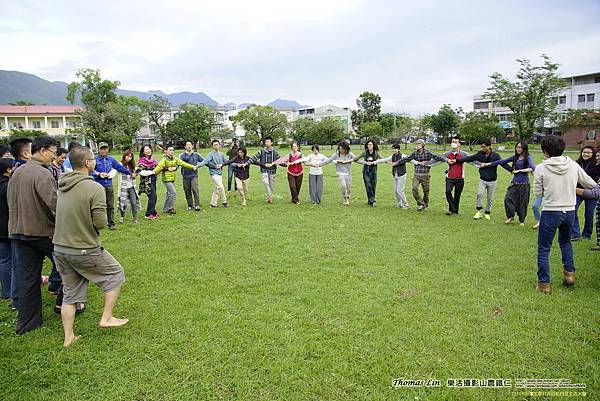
(416,55)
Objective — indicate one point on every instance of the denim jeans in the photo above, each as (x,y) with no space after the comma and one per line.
(537,204)
(5,268)
(54,281)
(550,222)
(370,179)
(588,223)
(230,171)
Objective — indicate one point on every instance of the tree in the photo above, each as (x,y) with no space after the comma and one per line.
(127,116)
(577,118)
(371,129)
(94,91)
(530,97)
(405,125)
(388,125)
(158,108)
(445,122)
(261,121)
(303,129)
(22,103)
(369,109)
(477,126)
(194,122)
(328,131)
(25,133)
(96,94)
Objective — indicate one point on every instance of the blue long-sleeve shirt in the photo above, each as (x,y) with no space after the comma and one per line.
(520,164)
(193,159)
(104,165)
(211,160)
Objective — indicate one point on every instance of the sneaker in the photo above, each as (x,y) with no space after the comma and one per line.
(122,220)
(225,205)
(112,227)
(172,211)
(189,208)
(135,222)
(374,204)
(420,208)
(487,216)
(509,220)
(477,215)
(536,226)
(522,224)
(405,207)
(196,208)
(213,206)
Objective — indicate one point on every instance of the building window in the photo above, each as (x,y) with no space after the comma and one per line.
(591,135)
(581,98)
(482,105)
(562,100)
(54,124)
(37,124)
(590,97)
(597,80)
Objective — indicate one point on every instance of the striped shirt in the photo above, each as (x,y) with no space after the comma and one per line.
(264,156)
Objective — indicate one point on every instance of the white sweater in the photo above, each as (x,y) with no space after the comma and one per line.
(555,179)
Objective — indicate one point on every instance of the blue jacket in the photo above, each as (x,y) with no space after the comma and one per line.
(104,165)
(193,159)
(212,159)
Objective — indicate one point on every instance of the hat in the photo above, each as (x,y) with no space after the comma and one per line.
(102,145)
(420,141)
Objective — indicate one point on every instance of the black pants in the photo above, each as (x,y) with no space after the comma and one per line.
(370,180)
(31,258)
(110,205)
(516,201)
(295,183)
(454,201)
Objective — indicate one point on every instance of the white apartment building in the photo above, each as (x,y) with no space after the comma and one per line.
(581,92)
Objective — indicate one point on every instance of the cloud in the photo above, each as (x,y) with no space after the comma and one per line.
(417,55)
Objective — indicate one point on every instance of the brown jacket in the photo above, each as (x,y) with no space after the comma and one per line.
(32,201)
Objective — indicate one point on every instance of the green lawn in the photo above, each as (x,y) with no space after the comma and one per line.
(296,302)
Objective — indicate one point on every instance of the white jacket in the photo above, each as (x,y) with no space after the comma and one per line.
(555,179)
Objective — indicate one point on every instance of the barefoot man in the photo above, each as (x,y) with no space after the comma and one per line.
(80,214)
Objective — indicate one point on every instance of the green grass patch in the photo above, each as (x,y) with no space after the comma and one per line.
(303,302)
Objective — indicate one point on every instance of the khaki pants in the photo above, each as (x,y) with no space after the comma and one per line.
(422,180)
(242,187)
(345,181)
(219,190)
(269,182)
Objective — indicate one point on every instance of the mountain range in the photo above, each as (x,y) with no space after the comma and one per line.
(16,85)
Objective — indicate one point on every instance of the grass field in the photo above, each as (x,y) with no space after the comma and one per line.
(297,302)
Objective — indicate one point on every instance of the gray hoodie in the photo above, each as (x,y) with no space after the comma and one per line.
(555,179)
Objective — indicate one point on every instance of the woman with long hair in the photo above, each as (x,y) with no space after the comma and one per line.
(587,161)
(145,168)
(127,193)
(516,200)
(342,158)
(241,170)
(367,159)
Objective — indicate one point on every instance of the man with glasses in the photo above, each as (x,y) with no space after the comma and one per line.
(32,204)
(102,175)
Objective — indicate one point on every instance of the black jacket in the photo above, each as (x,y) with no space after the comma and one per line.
(487,174)
(3,208)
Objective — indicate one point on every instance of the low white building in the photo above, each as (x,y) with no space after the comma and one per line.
(328,111)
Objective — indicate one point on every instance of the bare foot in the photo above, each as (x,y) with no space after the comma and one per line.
(113,322)
(70,341)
